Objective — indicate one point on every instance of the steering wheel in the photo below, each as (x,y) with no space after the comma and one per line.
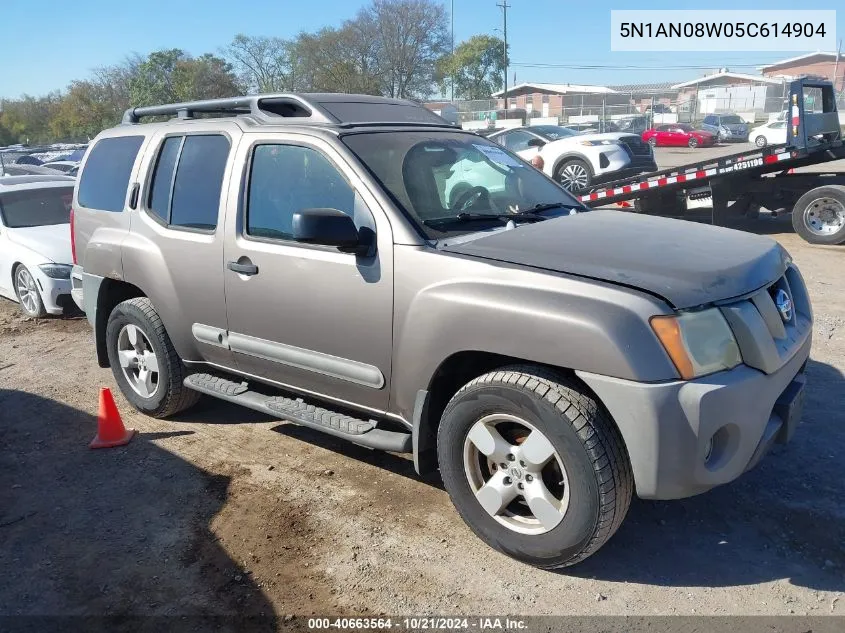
(470,197)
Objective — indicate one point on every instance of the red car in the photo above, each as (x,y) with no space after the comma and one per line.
(678,134)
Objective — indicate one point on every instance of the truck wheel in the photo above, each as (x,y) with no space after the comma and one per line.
(819,215)
(574,175)
(145,365)
(534,466)
(29,299)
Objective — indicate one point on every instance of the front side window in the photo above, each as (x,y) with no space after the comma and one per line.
(453,182)
(36,207)
(188,178)
(285,179)
(105,179)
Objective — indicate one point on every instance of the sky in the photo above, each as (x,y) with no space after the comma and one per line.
(48,43)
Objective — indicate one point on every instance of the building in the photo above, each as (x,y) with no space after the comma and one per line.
(726,91)
(642,96)
(556,99)
(819,64)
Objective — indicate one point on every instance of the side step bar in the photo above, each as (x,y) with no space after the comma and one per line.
(356,430)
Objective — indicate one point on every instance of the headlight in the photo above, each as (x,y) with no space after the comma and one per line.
(698,343)
(56,271)
(601,142)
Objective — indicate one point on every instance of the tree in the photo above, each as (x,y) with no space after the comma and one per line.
(412,36)
(477,66)
(263,64)
(169,76)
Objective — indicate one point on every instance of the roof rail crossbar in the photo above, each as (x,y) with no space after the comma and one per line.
(264,107)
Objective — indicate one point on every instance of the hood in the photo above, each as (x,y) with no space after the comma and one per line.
(51,242)
(685,263)
(735,127)
(612,136)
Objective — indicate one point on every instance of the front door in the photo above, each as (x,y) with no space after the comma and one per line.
(307,316)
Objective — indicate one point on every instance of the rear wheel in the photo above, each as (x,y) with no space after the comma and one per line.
(534,466)
(29,298)
(145,365)
(574,175)
(760,141)
(692,142)
(819,215)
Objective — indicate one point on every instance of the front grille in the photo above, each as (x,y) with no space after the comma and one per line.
(636,146)
(769,334)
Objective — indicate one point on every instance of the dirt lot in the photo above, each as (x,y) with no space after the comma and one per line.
(224,511)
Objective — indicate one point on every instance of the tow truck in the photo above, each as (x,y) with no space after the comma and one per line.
(741,183)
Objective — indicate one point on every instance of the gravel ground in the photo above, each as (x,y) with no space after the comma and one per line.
(225,511)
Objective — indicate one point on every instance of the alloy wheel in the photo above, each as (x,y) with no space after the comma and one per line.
(574,177)
(516,474)
(138,360)
(27,291)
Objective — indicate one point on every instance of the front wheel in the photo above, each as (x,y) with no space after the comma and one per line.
(574,175)
(534,466)
(692,142)
(145,365)
(29,298)
(760,141)
(819,215)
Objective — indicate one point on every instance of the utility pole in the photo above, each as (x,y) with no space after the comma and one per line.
(836,68)
(452,14)
(505,6)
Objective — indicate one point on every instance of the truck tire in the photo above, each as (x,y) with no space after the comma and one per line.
(819,215)
(145,365)
(534,465)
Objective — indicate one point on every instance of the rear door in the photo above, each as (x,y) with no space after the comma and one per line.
(174,252)
(305,315)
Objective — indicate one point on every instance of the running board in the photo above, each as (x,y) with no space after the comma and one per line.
(356,430)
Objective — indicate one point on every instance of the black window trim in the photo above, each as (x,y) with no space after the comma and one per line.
(148,189)
(246,184)
(139,155)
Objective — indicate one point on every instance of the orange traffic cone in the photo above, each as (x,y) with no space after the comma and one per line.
(110,429)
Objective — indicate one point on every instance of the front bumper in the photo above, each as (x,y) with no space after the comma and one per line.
(55,293)
(667,426)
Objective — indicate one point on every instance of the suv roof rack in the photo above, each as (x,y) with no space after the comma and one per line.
(345,110)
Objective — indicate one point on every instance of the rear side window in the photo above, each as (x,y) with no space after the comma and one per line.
(105,178)
(188,178)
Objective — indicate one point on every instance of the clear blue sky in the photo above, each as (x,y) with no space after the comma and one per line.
(48,43)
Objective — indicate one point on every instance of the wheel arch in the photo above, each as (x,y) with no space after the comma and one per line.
(111,293)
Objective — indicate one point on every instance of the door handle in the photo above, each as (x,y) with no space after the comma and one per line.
(245,268)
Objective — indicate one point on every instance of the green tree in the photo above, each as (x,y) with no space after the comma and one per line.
(263,64)
(169,76)
(477,66)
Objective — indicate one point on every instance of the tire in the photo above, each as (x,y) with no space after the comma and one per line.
(574,175)
(692,142)
(169,395)
(817,212)
(652,141)
(29,297)
(583,439)
(761,141)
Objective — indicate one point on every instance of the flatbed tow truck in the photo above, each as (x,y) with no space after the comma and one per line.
(740,184)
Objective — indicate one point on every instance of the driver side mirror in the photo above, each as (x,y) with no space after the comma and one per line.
(536,142)
(329,227)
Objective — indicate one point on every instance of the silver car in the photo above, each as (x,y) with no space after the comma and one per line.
(726,127)
(358,266)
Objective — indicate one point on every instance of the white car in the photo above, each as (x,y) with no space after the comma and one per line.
(69,167)
(773,133)
(579,161)
(35,249)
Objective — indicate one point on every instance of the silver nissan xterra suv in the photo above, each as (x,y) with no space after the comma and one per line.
(358,266)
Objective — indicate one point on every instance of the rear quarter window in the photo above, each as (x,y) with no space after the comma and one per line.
(105,178)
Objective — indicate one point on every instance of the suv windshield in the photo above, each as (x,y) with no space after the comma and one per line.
(453,182)
(36,207)
(731,119)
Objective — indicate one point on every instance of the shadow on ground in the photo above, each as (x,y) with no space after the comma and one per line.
(120,532)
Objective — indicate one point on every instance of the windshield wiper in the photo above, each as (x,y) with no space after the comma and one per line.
(474,217)
(545,206)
